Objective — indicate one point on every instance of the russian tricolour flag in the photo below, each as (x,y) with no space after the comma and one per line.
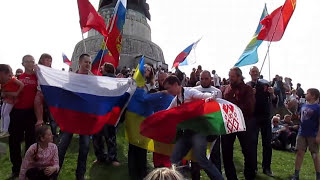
(183,58)
(83,104)
(66,59)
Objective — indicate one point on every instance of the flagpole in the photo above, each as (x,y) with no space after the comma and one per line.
(269,66)
(274,32)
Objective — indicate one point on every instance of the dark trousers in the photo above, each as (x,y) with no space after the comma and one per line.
(137,162)
(284,139)
(215,158)
(199,145)
(22,127)
(37,174)
(64,143)
(264,125)
(247,144)
(108,132)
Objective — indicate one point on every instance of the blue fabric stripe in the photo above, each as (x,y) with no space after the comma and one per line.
(121,14)
(141,66)
(86,103)
(250,54)
(188,49)
(98,56)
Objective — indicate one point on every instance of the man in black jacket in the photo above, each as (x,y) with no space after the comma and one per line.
(264,95)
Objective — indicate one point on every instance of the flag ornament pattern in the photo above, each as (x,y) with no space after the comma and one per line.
(275,24)
(250,54)
(139,73)
(212,118)
(115,29)
(66,59)
(182,58)
(83,104)
(90,18)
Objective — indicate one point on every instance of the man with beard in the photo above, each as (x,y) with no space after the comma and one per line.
(241,95)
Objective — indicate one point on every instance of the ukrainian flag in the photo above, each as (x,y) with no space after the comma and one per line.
(139,74)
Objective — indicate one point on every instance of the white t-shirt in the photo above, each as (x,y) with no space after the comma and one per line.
(190,94)
(216,80)
(211,89)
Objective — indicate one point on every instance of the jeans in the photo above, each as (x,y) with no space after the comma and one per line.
(83,151)
(264,124)
(22,127)
(247,143)
(199,144)
(109,134)
(215,158)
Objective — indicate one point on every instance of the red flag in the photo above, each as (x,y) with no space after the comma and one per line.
(115,28)
(276,23)
(90,19)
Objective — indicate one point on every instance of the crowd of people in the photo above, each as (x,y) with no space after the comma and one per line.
(287,118)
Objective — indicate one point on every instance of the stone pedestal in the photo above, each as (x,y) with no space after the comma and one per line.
(136,41)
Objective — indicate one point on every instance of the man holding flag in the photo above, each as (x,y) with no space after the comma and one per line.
(241,95)
(66,137)
(215,157)
(188,138)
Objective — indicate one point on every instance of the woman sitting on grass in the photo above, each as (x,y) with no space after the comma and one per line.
(41,161)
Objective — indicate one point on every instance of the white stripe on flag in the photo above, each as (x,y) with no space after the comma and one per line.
(95,85)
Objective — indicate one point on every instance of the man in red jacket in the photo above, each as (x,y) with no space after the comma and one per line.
(241,95)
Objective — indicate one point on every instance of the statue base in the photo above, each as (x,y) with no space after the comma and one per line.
(136,41)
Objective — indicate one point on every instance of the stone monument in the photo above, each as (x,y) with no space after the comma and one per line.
(136,38)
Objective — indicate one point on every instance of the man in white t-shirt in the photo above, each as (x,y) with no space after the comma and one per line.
(216,79)
(187,138)
(215,157)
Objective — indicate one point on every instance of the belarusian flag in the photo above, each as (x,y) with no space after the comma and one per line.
(212,118)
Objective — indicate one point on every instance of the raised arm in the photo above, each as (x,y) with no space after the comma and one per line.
(195,94)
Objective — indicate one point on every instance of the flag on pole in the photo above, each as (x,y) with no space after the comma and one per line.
(212,118)
(275,24)
(115,29)
(141,106)
(104,56)
(139,73)
(182,59)
(66,59)
(250,55)
(90,19)
(83,104)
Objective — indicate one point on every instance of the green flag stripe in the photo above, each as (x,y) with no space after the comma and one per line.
(209,124)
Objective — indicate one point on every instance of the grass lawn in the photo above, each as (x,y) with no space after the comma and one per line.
(282,163)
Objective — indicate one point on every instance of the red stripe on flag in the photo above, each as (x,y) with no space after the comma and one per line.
(83,123)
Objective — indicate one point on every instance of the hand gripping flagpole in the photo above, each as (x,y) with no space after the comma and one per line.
(267,53)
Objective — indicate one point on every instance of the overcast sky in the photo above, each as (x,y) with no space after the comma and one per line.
(52,26)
